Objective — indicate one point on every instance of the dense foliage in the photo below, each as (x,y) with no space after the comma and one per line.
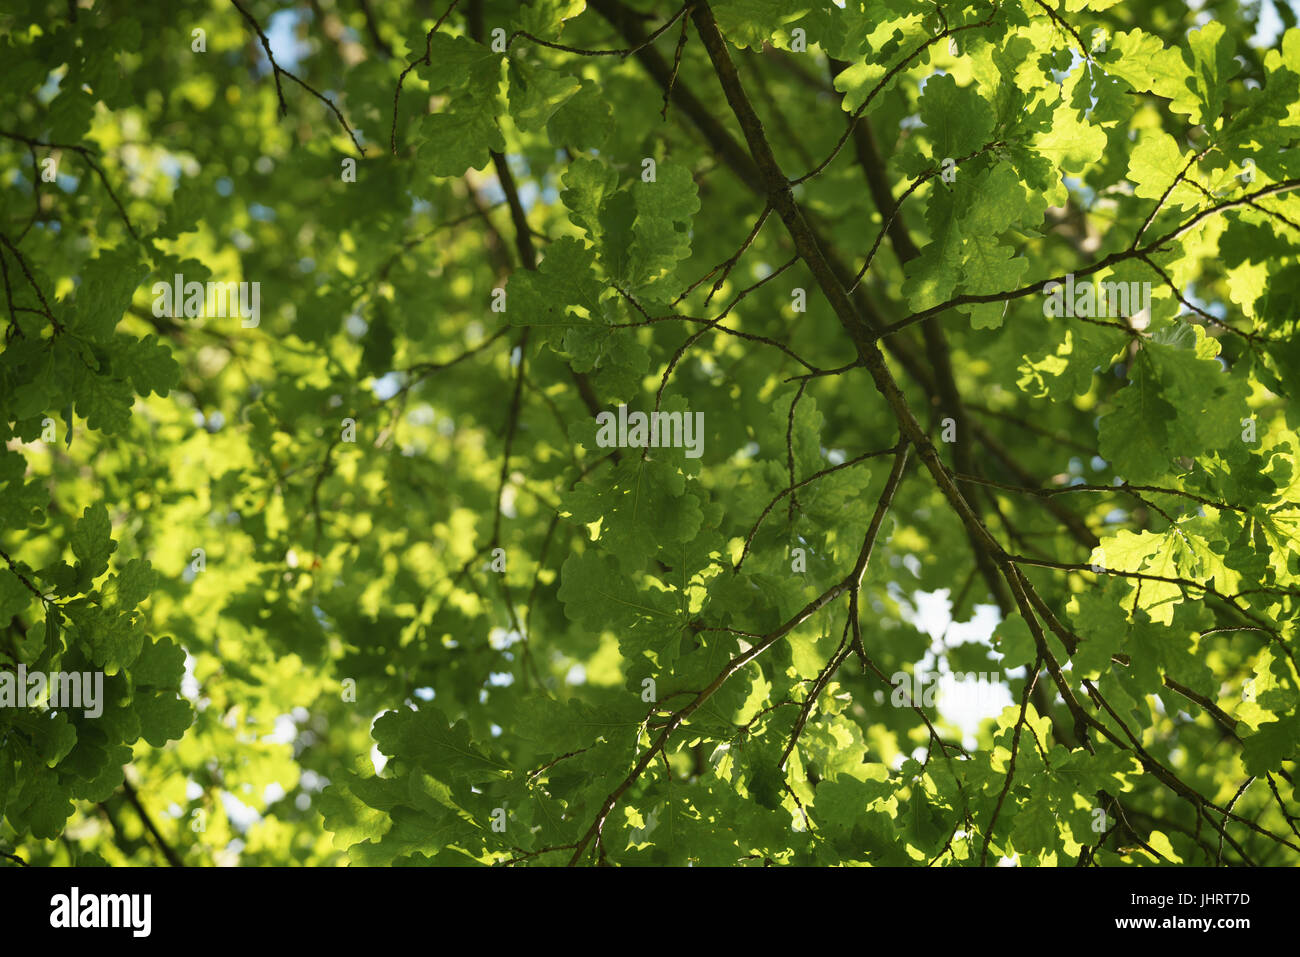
(371,577)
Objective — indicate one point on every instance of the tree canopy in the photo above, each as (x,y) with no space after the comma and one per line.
(480,432)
